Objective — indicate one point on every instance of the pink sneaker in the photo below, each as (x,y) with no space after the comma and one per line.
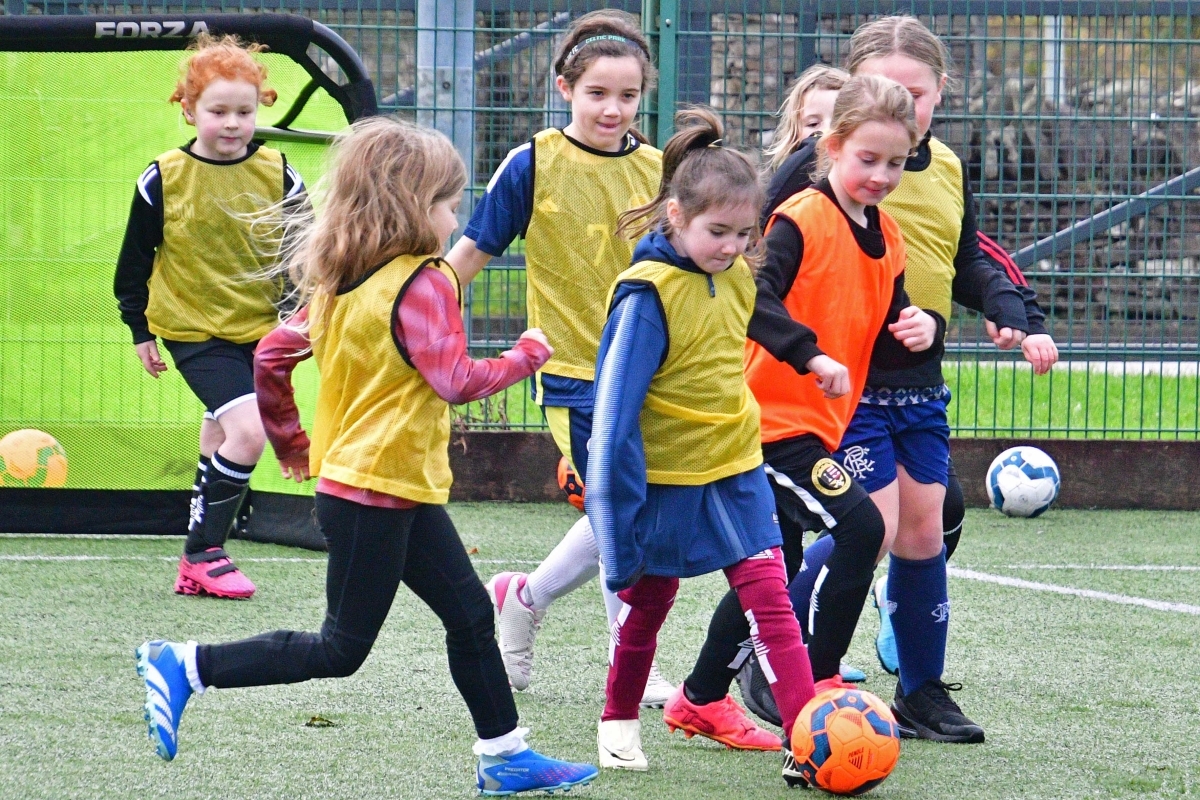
(212,572)
(516,628)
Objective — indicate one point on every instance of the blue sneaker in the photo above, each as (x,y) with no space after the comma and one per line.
(529,771)
(885,640)
(167,691)
(851,674)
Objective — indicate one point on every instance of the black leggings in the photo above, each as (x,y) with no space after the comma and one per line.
(953,512)
(370,551)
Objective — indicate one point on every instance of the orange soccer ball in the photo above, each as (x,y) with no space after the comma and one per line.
(569,482)
(846,741)
(31,457)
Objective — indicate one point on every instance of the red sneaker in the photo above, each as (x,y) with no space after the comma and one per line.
(212,572)
(723,721)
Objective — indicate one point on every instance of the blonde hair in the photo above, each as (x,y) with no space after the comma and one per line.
(866,98)
(699,174)
(902,35)
(818,77)
(384,177)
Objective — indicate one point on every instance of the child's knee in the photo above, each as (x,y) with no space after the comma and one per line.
(344,656)
(868,534)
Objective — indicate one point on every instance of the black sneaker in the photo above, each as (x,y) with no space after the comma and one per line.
(792,775)
(756,692)
(929,713)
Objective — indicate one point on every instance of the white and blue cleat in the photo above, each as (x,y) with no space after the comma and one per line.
(160,664)
(885,640)
(529,771)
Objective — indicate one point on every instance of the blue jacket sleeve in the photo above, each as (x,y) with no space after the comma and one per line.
(504,211)
(632,348)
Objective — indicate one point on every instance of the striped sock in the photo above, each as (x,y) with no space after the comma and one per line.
(226,470)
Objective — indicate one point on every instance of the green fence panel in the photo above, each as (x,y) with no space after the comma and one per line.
(1061,110)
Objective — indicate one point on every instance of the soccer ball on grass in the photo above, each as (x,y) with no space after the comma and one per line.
(1022,481)
(846,741)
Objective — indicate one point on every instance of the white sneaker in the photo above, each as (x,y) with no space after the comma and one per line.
(620,745)
(517,626)
(658,689)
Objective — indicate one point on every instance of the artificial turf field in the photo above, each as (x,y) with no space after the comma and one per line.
(1081,696)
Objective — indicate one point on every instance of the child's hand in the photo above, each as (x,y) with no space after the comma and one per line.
(915,329)
(1004,338)
(151,360)
(539,337)
(295,467)
(832,378)
(1040,351)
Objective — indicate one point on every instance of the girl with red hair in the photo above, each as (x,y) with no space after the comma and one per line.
(190,272)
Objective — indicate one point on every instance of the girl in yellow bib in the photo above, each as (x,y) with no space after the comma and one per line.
(380,312)
(189,273)
(562,192)
(677,481)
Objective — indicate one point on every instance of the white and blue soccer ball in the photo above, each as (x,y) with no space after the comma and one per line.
(1022,481)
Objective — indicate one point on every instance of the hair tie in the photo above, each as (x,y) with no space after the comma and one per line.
(716,143)
(609,37)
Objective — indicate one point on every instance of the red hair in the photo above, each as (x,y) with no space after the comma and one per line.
(215,58)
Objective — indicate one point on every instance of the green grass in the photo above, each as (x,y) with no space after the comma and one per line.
(1080,698)
(1000,400)
(996,400)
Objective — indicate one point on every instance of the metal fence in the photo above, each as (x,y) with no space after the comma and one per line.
(1062,111)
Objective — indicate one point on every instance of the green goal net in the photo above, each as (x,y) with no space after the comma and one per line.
(84,103)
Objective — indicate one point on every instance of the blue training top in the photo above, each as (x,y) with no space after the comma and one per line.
(500,216)
(647,528)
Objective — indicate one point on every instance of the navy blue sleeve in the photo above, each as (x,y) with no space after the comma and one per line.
(503,213)
(632,347)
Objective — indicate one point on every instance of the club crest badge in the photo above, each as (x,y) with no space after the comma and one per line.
(829,478)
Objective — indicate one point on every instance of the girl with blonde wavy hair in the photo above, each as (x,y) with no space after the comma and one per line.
(380,312)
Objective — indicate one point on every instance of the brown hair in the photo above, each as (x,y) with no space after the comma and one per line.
(384,176)
(866,98)
(699,174)
(818,77)
(903,35)
(607,32)
(213,58)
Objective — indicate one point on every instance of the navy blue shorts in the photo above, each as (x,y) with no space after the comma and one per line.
(880,437)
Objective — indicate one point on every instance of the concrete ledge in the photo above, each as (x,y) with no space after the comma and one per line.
(1096,473)
(518,466)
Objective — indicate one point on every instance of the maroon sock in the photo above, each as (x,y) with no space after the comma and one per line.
(761,586)
(634,640)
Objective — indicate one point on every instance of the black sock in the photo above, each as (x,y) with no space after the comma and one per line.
(228,480)
(226,470)
(714,669)
(954,509)
(195,542)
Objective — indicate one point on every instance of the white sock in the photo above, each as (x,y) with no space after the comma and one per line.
(503,746)
(573,562)
(193,671)
(612,603)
